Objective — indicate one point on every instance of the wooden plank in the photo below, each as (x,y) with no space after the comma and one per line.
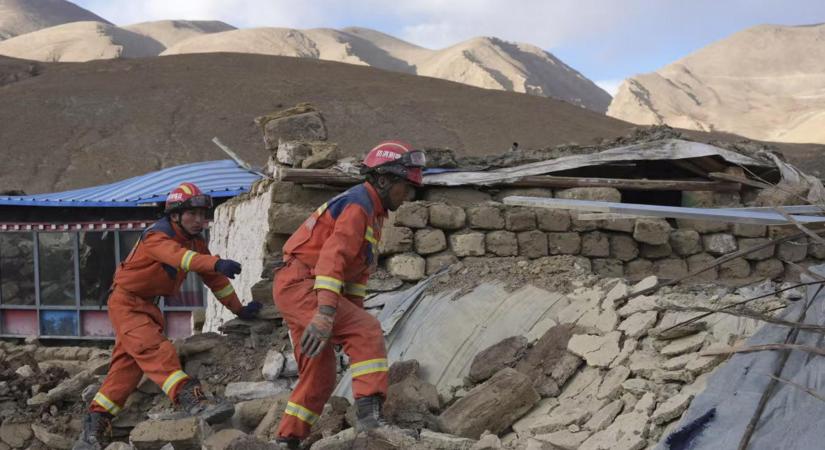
(676,212)
(737,179)
(334,177)
(552,181)
(317,176)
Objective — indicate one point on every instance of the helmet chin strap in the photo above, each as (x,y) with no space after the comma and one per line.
(180,225)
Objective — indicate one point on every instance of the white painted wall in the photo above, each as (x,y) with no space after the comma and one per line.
(239,232)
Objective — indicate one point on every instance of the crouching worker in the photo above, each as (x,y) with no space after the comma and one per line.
(157,266)
(321,287)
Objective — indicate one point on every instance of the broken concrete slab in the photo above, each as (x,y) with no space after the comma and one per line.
(598,351)
(612,384)
(684,345)
(671,408)
(638,304)
(605,416)
(494,405)
(638,324)
(50,439)
(15,434)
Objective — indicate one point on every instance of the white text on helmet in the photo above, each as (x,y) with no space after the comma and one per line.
(388,154)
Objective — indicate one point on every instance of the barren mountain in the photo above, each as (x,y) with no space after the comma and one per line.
(79,42)
(170,32)
(484,62)
(76,125)
(24,16)
(767,83)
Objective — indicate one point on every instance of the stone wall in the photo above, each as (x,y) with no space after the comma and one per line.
(450,224)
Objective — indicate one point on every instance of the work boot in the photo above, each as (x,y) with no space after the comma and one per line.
(97,432)
(288,443)
(192,400)
(370,413)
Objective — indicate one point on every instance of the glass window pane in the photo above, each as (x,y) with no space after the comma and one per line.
(57,268)
(191,292)
(128,239)
(17,268)
(97,266)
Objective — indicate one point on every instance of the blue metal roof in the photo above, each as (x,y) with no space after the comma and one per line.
(216,178)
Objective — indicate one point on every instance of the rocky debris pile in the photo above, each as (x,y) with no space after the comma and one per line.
(607,375)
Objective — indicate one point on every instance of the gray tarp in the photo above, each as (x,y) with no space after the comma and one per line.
(444,333)
(667,149)
(792,419)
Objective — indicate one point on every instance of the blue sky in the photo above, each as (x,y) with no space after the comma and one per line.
(606,40)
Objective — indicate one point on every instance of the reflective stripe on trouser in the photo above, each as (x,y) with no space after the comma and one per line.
(140,348)
(355,329)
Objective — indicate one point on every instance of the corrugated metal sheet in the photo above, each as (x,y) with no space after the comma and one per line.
(218,178)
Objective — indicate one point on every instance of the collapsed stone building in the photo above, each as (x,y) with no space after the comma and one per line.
(507,326)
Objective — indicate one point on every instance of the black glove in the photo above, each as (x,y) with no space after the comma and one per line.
(228,267)
(250,310)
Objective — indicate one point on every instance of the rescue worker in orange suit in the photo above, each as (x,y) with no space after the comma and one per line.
(157,266)
(320,291)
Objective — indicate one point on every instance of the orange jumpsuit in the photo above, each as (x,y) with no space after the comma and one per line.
(156,266)
(335,249)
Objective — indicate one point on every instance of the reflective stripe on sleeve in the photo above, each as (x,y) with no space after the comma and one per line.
(328,283)
(186,260)
(224,292)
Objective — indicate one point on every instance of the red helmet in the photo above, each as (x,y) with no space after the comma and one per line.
(397,158)
(187,196)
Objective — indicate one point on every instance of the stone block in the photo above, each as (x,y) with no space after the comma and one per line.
(598,194)
(758,255)
(395,240)
(502,243)
(467,244)
(769,269)
(485,217)
(719,243)
(436,262)
(622,225)
(523,192)
(532,244)
(651,251)
(221,439)
(697,199)
(496,357)
(323,155)
(623,247)
(554,219)
(298,194)
(702,226)
(816,250)
(301,123)
(51,439)
(285,218)
(735,268)
(183,434)
(696,262)
(447,217)
(493,405)
(670,268)
(251,390)
(638,269)
(457,196)
(607,267)
(652,231)
(685,242)
(15,434)
(412,215)
(250,413)
(595,244)
(273,365)
(564,243)
(579,225)
(749,230)
(429,241)
(793,250)
(520,219)
(407,266)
